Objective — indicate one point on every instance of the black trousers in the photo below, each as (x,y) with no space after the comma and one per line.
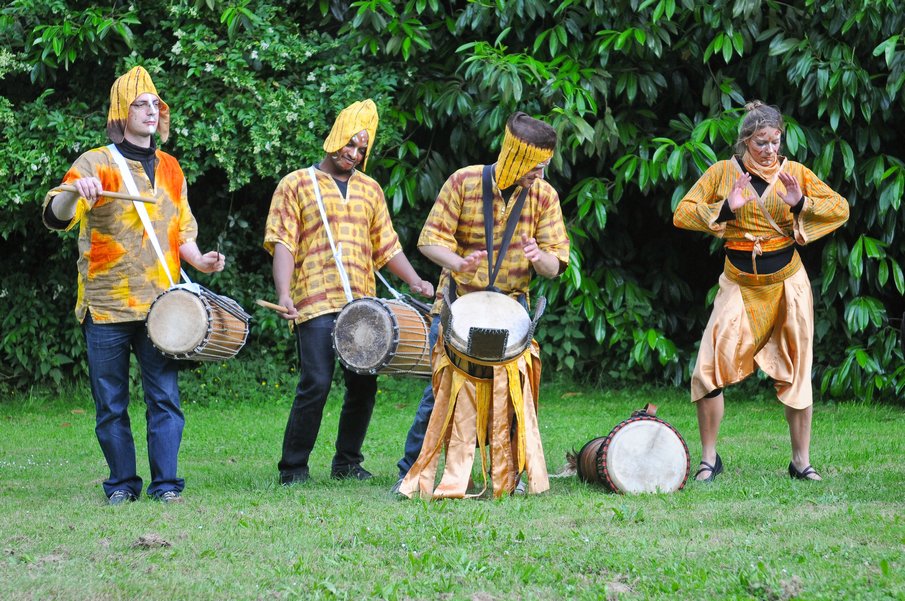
(316,364)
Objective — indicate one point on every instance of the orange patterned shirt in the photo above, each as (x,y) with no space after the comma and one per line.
(119,272)
(456,222)
(360,223)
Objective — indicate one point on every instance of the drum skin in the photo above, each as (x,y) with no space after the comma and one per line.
(178,322)
(375,335)
(642,454)
(485,310)
(200,326)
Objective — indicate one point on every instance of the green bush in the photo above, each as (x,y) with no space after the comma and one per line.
(645,94)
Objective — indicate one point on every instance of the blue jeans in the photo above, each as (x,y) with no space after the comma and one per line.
(316,364)
(109,349)
(415,438)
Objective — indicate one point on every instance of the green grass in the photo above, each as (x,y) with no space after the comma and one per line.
(752,534)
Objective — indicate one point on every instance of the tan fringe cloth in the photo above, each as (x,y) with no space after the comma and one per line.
(467,411)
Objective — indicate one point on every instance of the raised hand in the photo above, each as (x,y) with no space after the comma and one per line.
(792,194)
(470,263)
(736,198)
(531,249)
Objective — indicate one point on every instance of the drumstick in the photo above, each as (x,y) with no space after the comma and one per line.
(119,195)
(277,308)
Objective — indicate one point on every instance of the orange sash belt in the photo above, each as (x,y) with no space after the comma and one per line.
(758,245)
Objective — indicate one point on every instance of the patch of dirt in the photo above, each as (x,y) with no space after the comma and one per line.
(150,541)
(49,559)
(790,588)
(615,589)
(483,597)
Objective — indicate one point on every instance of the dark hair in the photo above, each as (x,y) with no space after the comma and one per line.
(531,130)
(757,116)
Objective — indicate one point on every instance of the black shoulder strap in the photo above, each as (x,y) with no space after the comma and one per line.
(487,188)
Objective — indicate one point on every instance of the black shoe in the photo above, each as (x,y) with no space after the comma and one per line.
(803,474)
(395,490)
(170,496)
(294,478)
(350,472)
(715,469)
(118,497)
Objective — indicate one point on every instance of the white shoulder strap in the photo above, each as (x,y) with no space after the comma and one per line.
(142,211)
(336,248)
(392,290)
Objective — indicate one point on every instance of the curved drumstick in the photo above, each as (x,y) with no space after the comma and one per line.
(119,195)
(273,307)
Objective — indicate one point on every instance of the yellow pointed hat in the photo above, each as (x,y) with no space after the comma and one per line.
(123,93)
(519,156)
(354,118)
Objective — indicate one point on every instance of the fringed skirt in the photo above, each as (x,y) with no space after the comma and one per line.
(494,418)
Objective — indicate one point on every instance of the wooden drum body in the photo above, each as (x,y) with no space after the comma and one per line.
(642,454)
(191,322)
(379,336)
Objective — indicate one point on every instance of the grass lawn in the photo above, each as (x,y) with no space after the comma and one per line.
(752,534)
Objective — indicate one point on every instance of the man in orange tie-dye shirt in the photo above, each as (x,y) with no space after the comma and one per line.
(313,289)
(120,275)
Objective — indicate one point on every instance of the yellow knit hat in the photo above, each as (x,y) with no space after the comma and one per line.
(354,118)
(517,156)
(123,93)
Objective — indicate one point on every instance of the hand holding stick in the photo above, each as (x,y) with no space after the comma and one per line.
(119,195)
(272,306)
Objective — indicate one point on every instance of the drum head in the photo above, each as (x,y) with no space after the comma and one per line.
(365,334)
(645,456)
(178,321)
(489,310)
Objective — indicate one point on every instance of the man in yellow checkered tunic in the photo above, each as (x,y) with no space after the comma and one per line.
(310,286)
(761,204)
(120,275)
(454,238)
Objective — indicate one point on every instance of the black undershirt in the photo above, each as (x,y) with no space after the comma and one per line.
(769,262)
(342,185)
(146,156)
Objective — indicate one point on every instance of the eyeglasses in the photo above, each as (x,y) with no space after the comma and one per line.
(144,105)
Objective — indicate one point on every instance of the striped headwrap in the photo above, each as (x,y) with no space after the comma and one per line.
(517,155)
(123,93)
(354,118)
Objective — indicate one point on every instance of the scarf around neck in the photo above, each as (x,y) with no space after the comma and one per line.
(765,173)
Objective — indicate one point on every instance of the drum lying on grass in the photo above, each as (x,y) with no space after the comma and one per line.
(191,322)
(375,335)
(642,454)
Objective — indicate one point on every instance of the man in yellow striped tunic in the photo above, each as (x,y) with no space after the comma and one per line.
(310,285)
(454,237)
(761,204)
